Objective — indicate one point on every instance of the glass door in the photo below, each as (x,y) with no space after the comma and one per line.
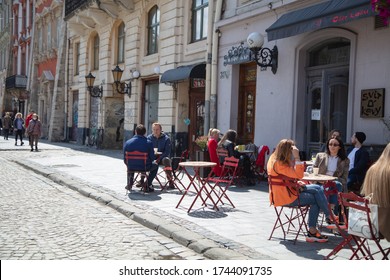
(327,105)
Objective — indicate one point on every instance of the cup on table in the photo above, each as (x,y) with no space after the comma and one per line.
(155,150)
(315,170)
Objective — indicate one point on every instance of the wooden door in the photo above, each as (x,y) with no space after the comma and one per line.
(247,103)
(196,112)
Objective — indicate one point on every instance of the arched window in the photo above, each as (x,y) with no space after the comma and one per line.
(121,43)
(96,43)
(153,30)
(200,13)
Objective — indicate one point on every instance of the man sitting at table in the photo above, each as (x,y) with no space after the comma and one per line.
(358,161)
(162,142)
(139,143)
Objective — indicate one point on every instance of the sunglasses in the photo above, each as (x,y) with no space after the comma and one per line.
(334,145)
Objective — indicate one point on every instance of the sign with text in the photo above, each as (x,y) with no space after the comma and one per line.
(372,103)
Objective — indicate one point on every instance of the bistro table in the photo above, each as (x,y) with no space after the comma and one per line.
(317,178)
(196,181)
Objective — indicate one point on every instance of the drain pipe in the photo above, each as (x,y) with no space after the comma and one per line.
(214,65)
(210,34)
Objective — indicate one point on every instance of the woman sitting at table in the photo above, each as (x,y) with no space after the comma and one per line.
(228,142)
(212,145)
(285,161)
(334,162)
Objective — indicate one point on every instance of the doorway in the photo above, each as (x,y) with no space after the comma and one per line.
(150,110)
(246,103)
(327,105)
(196,112)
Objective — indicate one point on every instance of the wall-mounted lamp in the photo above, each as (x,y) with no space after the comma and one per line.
(264,57)
(122,87)
(93,91)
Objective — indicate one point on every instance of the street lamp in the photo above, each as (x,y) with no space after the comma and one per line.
(93,91)
(122,87)
(264,57)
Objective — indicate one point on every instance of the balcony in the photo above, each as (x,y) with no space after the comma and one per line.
(73,5)
(16,82)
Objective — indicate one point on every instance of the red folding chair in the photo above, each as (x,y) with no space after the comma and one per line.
(290,219)
(361,247)
(144,172)
(172,175)
(224,181)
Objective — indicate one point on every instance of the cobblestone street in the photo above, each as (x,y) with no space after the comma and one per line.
(40,219)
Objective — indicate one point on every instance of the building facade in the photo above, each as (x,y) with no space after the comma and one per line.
(163,58)
(5,49)
(332,72)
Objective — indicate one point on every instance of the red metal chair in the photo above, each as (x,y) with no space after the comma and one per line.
(361,247)
(290,219)
(136,156)
(224,181)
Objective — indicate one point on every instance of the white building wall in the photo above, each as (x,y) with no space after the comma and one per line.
(278,97)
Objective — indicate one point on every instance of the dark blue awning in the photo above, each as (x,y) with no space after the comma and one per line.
(326,14)
(197,71)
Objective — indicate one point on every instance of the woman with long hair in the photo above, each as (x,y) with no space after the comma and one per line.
(285,161)
(377,183)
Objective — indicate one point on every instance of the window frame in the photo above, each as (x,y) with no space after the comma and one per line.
(95,51)
(153,30)
(199,25)
(121,43)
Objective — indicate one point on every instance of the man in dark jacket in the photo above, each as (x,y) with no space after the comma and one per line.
(358,161)
(162,143)
(139,143)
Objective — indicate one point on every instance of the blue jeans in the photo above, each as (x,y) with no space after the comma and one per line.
(333,198)
(314,196)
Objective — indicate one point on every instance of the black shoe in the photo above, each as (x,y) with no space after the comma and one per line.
(171,186)
(21,144)
(128,188)
(149,189)
(32,149)
(16,144)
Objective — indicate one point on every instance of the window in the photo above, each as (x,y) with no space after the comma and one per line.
(49,35)
(96,42)
(40,41)
(200,11)
(121,43)
(153,30)
(77,58)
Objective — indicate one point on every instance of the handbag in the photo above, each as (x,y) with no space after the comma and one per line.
(358,221)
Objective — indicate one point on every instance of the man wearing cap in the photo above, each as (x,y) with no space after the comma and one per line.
(358,160)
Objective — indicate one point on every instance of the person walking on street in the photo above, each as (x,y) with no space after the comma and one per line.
(19,128)
(7,125)
(34,132)
(28,119)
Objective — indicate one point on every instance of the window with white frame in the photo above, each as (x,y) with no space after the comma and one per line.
(121,43)
(199,21)
(77,58)
(96,45)
(153,30)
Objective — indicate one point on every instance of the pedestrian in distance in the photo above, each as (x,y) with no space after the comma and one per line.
(7,125)
(34,130)
(28,119)
(19,128)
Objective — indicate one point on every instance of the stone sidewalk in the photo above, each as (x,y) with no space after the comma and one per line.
(231,233)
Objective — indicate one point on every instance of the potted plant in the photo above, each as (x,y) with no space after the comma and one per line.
(201,141)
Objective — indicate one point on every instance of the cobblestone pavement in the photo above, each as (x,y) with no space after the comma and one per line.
(40,219)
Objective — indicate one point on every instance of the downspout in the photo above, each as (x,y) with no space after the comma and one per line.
(31,62)
(210,34)
(214,66)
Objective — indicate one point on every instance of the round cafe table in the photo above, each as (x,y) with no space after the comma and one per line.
(318,178)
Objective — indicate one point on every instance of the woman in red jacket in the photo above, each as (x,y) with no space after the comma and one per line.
(212,144)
